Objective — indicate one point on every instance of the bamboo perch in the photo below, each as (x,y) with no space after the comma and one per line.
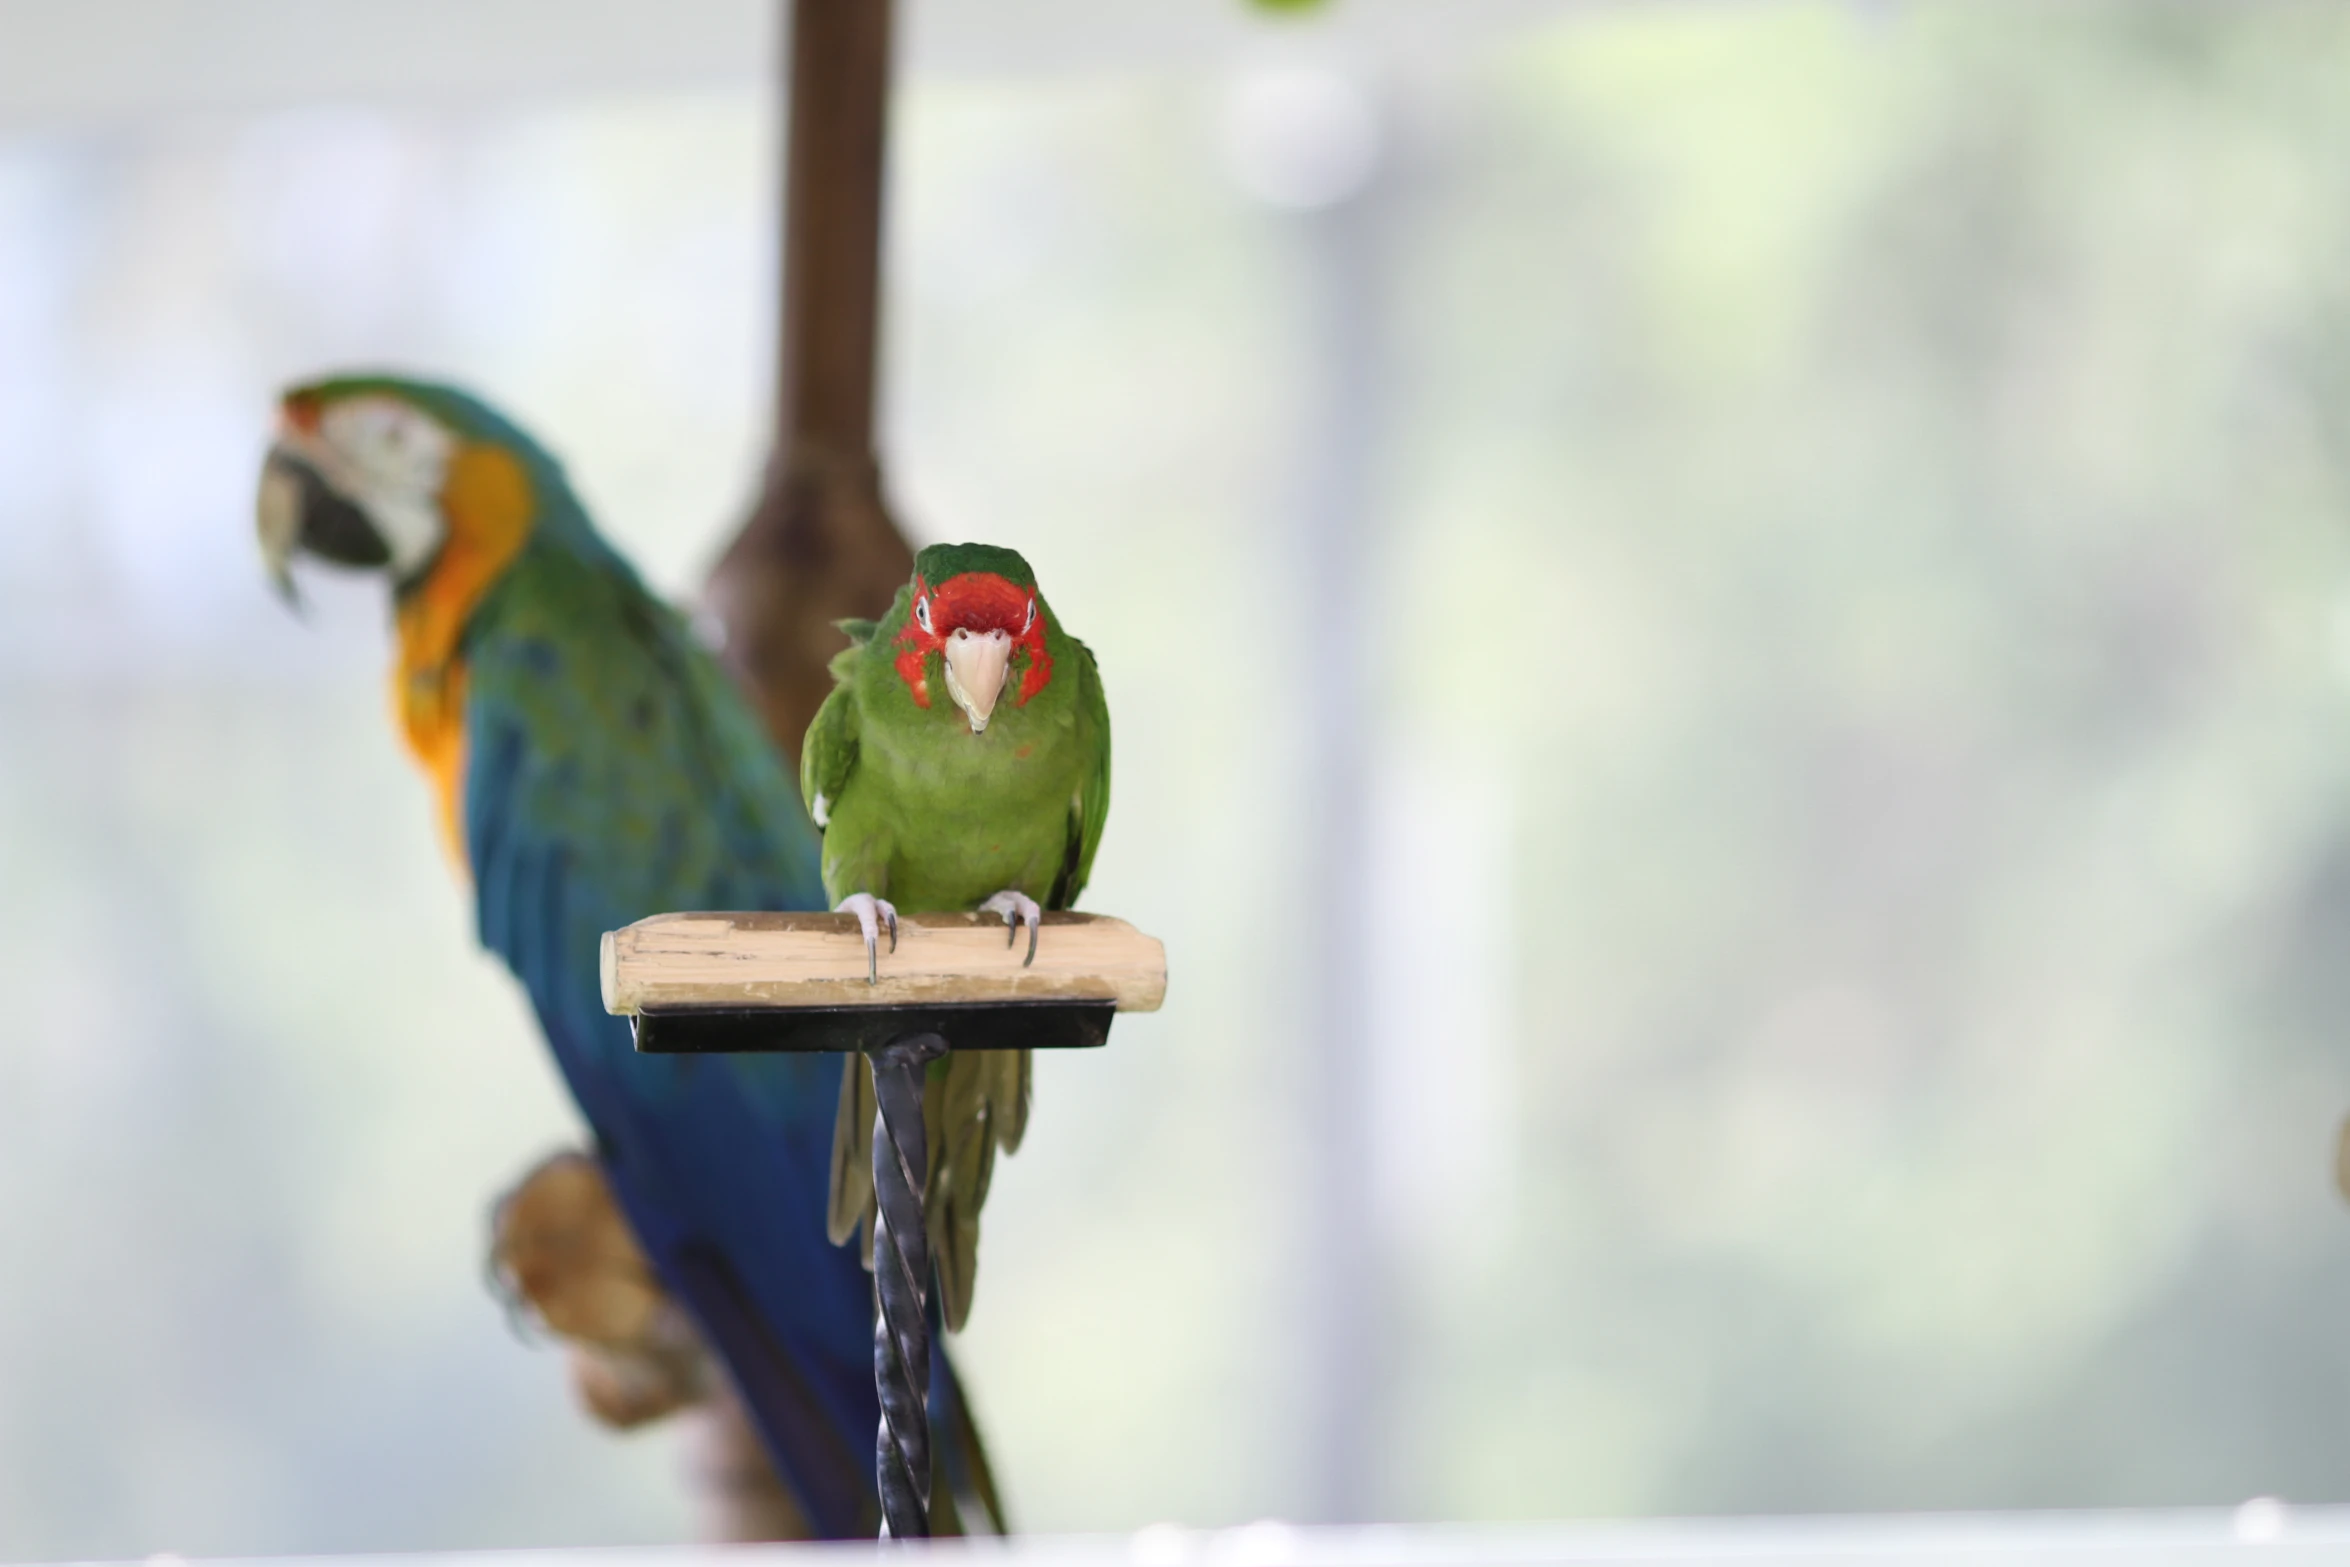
(749,961)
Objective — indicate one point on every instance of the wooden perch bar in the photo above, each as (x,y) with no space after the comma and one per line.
(753,961)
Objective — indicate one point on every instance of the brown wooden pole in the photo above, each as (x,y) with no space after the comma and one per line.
(835,157)
(821,544)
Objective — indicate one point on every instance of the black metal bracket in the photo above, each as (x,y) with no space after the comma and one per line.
(900,1041)
(969,1025)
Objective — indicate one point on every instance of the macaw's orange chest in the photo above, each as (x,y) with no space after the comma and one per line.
(488,505)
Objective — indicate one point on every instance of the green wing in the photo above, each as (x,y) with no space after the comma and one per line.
(1090,808)
(827,758)
(829,754)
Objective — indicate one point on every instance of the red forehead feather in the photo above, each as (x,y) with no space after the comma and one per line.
(979,601)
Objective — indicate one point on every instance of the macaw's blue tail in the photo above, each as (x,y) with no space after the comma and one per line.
(826,1463)
(964,1496)
(831,1479)
(797,1430)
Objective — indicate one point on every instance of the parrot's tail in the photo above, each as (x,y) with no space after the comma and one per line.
(970,1489)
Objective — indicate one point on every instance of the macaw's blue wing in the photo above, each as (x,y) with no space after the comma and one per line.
(610,775)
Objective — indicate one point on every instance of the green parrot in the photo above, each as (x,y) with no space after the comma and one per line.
(962,761)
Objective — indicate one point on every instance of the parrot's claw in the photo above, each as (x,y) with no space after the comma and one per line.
(1018,909)
(872,914)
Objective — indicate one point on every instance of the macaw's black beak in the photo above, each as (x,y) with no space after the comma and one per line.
(300,513)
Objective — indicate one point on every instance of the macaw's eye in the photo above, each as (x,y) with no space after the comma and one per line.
(922,612)
(1031,620)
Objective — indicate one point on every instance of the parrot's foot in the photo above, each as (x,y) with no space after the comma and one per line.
(1018,909)
(872,913)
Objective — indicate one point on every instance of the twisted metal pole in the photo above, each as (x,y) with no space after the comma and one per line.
(901,1278)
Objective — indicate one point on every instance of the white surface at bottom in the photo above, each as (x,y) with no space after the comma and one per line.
(2262,1531)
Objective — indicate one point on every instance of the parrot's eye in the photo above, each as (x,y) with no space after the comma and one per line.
(922,612)
(1031,620)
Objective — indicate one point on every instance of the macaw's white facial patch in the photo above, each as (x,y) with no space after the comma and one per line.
(390,458)
(978,663)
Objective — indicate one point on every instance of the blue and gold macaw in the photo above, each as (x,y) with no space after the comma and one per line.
(592,765)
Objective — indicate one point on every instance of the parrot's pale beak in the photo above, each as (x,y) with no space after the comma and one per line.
(300,513)
(978,662)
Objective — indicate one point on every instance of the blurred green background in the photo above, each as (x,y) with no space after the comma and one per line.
(1860,646)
